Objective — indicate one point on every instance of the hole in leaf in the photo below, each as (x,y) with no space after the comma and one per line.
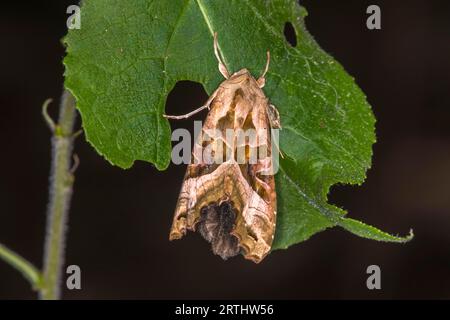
(185,97)
(289,34)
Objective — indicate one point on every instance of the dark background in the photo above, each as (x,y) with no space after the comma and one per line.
(120,219)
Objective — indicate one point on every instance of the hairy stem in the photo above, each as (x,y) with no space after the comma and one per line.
(61,182)
(19,263)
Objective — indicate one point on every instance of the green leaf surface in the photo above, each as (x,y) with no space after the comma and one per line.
(128,55)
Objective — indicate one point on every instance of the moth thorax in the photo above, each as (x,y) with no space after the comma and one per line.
(216,223)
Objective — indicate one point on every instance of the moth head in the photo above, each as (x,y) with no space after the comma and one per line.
(241,72)
(240,76)
(244,75)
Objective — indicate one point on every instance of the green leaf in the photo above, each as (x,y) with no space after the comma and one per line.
(369,232)
(128,55)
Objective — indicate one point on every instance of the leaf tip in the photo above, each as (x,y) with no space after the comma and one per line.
(410,236)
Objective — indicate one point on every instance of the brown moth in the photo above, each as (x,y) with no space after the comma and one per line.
(232,204)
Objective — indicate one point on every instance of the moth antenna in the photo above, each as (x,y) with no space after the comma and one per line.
(262,80)
(222,68)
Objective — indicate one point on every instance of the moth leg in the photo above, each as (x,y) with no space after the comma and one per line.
(274,120)
(223,70)
(187,115)
(262,80)
(274,117)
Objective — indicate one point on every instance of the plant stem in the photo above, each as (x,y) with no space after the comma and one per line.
(61,182)
(26,268)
